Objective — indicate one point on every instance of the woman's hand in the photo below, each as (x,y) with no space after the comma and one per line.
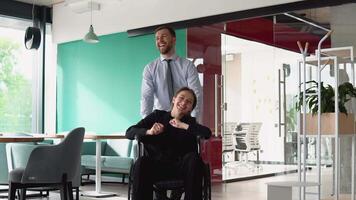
(178,124)
(156,129)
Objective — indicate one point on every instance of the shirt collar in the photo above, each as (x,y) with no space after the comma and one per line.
(173,57)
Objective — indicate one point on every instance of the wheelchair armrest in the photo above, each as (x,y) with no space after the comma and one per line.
(140,144)
(200,139)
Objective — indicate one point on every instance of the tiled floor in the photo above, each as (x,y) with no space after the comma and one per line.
(242,190)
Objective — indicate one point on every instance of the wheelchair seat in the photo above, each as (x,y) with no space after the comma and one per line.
(175,186)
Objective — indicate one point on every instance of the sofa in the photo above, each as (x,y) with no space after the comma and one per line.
(4,171)
(117,156)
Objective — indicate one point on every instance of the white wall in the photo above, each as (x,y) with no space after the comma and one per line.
(119,16)
(232,79)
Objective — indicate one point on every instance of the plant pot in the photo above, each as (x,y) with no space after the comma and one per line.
(346,124)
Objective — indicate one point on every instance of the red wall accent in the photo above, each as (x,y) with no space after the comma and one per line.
(279,35)
(205,42)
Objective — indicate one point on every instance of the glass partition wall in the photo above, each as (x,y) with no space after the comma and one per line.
(250,80)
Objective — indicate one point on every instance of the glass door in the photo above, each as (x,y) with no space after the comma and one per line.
(259,134)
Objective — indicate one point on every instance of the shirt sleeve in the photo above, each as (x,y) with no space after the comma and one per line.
(147,92)
(141,127)
(199,130)
(194,84)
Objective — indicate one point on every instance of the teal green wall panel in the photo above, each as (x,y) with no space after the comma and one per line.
(99,85)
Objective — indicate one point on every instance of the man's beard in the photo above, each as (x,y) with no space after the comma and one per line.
(165,50)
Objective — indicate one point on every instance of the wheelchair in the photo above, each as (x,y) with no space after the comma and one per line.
(175,187)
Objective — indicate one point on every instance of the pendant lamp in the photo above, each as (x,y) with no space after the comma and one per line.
(33,33)
(91,37)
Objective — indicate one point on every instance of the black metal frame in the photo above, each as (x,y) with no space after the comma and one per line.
(22,10)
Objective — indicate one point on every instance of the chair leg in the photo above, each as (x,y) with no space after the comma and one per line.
(70,190)
(207,183)
(64,192)
(123,178)
(18,194)
(64,188)
(12,191)
(129,190)
(130,183)
(77,193)
(23,194)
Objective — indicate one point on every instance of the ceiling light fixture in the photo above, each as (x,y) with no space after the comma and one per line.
(91,37)
(32,34)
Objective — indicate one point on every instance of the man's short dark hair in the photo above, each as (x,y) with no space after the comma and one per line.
(170,29)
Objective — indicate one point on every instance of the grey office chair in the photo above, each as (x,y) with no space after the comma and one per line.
(17,155)
(50,166)
(245,140)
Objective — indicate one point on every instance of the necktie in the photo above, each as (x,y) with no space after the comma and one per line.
(169,79)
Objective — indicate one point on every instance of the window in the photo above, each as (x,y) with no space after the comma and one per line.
(20,79)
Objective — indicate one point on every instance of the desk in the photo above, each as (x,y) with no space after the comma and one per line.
(9,139)
(49,136)
(98,138)
(36,137)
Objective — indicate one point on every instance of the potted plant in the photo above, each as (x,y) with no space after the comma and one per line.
(327,97)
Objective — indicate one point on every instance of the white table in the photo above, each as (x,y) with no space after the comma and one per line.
(98,138)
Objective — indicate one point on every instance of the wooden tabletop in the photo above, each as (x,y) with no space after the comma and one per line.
(86,136)
(48,136)
(20,139)
(104,136)
(37,137)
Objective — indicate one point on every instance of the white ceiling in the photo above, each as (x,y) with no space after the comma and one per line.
(48,3)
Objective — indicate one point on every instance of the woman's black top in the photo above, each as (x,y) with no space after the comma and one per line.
(173,143)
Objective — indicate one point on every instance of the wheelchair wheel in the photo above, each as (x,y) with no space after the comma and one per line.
(206,183)
(130,184)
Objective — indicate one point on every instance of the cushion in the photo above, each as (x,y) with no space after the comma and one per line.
(90,160)
(117,164)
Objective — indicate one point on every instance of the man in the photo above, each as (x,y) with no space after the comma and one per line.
(165,75)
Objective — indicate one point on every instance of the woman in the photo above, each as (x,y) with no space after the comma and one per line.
(170,146)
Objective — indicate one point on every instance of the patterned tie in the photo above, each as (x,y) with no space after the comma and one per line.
(169,78)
